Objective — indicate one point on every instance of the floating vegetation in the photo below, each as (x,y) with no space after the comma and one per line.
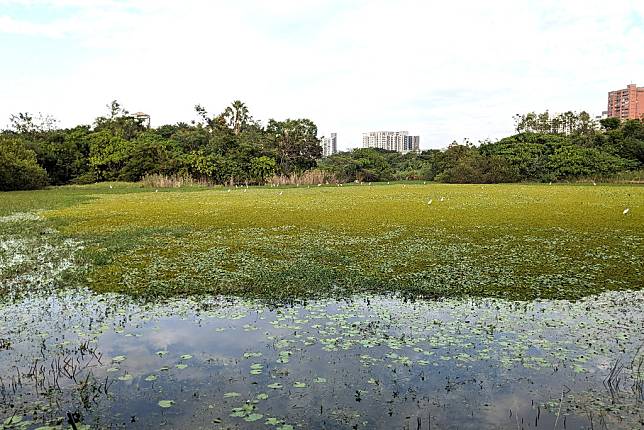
(393,361)
(511,241)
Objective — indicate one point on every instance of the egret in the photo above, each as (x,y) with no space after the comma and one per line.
(245,189)
(430,202)
(594,183)
(281,192)
(627,210)
(549,183)
(319,185)
(110,187)
(442,199)
(156,191)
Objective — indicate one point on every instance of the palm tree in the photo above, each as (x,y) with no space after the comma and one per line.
(237,116)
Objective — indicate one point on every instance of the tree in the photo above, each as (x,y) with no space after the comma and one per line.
(19,169)
(295,144)
(237,116)
(262,167)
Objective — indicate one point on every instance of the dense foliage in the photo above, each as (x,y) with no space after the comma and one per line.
(234,148)
(564,147)
(226,148)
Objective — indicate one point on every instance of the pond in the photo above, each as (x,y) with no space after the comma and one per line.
(366,362)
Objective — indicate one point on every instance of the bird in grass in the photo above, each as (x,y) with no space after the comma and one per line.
(442,199)
(281,192)
(549,183)
(156,191)
(110,187)
(245,189)
(228,189)
(430,201)
(627,210)
(319,185)
(594,183)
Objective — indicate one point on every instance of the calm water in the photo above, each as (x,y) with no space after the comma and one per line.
(372,362)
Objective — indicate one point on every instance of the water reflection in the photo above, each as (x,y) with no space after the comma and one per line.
(371,362)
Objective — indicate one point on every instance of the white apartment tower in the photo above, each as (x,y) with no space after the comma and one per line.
(329,145)
(399,141)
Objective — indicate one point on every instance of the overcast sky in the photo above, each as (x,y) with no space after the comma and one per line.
(445,70)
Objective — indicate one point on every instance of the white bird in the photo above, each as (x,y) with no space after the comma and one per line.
(110,187)
(442,199)
(627,210)
(245,189)
(156,191)
(281,192)
(594,183)
(319,185)
(424,182)
(387,182)
(549,183)
(430,202)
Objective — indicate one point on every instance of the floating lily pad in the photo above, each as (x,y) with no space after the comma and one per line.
(166,403)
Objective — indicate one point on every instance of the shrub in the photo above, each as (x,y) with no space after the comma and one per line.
(19,169)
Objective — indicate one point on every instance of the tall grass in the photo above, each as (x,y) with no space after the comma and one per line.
(174,181)
(629,177)
(310,177)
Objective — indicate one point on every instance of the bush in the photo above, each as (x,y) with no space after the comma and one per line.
(19,169)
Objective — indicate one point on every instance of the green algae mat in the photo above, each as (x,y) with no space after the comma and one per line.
(421,240)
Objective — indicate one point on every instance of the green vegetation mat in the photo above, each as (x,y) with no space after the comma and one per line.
(512,241)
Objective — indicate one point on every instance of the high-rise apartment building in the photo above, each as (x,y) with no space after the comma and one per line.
(329,145)
(627,103)
(399,141)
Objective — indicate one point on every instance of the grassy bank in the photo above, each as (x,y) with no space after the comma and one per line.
(513,241)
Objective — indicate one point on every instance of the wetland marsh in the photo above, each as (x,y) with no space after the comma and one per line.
(407,305)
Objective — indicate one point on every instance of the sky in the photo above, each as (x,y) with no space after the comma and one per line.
(444,70)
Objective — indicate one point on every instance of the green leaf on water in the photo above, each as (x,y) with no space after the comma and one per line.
(186,357)
(262,396)
(151,378)
(161,353)
(13,420)
(126,377)
(298,384)
(272,421)
(319,380)
(181,366)
(231,394)
(253,417)
(166,403)
(118,358)
(275,385)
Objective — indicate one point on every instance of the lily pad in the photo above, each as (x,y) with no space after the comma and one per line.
(166,403)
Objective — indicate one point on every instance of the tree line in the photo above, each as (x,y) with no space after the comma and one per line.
(233,148)
(543,149)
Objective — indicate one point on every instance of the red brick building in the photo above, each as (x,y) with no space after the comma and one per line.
(627,103)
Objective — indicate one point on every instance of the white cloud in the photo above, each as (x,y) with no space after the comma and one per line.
(444,70)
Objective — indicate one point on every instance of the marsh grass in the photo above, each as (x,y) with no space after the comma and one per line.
(174,181)
(511,241)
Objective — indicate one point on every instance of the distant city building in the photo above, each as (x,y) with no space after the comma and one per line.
(329,145)
(604,115)
(627,103)
(399,141)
